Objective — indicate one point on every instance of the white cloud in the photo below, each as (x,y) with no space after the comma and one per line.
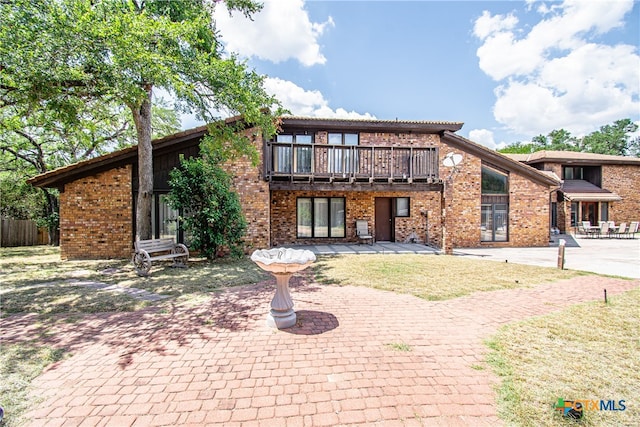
(555,75)
(280,31)
(307,103)
(486,138)
(487,25)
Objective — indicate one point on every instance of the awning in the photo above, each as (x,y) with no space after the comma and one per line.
(592,197)
(578,190)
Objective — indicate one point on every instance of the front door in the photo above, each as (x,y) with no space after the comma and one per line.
(590,212)
(384,220)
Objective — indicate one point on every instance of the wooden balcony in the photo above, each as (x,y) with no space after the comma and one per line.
(322,163)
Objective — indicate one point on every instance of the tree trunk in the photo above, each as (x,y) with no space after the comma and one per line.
(142,120)
(52,209)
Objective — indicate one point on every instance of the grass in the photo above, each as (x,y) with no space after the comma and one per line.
(34,280)
(586,352)
(431,277)
(399,346)
(19,365)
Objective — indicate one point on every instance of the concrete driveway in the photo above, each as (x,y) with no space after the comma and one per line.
(617,257)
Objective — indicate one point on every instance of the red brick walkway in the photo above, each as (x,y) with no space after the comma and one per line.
(218,363)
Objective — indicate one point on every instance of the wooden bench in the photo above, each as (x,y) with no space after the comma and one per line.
(165,248)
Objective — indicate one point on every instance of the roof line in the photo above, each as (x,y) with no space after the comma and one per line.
(498,158)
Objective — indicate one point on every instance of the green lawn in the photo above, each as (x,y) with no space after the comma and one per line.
(589,351)
(431,277)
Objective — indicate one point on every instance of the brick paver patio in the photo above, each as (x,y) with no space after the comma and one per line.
(218,363)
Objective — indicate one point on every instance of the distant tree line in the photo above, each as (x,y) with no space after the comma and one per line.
(613,139)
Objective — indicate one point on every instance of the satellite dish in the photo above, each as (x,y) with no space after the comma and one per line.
(452,160)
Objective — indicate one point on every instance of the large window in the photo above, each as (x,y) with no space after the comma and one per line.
(320,217)
(342,159)
(296,155)
(494,211)
(165,219)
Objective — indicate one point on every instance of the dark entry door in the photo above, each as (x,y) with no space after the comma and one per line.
(384,220)
(590,212)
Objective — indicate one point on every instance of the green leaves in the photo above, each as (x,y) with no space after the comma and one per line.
(210,211)
(612,139)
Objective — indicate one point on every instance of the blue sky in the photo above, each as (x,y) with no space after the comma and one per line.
(509,70)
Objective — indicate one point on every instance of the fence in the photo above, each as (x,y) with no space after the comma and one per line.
(21,232)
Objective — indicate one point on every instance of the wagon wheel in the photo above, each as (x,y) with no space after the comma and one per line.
(181,260)
(142,263)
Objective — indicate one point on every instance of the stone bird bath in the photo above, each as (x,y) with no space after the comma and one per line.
(282,263)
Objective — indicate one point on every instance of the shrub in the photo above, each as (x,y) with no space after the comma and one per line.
(210,210)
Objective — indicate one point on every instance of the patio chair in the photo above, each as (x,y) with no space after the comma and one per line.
(590,231)
(362,231)
(633,229)
(604,229)
(621,230)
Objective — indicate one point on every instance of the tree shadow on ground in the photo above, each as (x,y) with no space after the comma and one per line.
(164,327)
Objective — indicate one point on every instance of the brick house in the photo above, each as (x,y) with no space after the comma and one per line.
(595,187)
(314,180)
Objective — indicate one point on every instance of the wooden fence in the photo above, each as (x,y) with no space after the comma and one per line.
(21,232)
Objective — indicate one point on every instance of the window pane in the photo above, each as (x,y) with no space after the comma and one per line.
(350,139)
(604,211)
(336,160)
(493,182)
(304,217)
(284,138)
(321,217)
(337,217)
(303,159)
(574,214)
(486,223)
(282,159)
(402,206)
(500,222)
(335,138)
(168,220)
(303,139)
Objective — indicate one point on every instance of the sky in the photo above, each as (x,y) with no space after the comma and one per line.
(510,70)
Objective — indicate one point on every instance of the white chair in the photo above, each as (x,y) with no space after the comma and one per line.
(362,231)
(633,229)
(621,230)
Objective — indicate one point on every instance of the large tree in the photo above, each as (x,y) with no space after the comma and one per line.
(614,139)
(34,141)
(58,53)
(611,139)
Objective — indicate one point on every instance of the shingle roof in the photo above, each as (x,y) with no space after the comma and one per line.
(550,156)
(372,124)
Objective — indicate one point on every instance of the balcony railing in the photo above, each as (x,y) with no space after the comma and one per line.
(322,162)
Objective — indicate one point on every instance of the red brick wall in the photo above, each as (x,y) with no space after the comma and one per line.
(623,180)
(528,210)
(95,216)
(529,216)
(253,192)
(359,205)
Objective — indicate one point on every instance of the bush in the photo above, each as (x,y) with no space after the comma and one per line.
(210,211)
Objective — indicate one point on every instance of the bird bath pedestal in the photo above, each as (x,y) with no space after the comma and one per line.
(282,263)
